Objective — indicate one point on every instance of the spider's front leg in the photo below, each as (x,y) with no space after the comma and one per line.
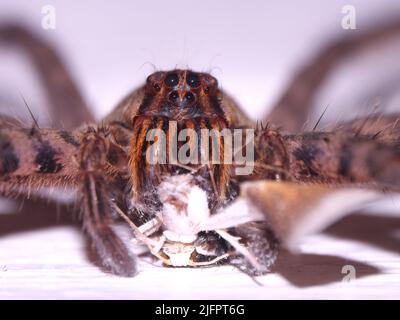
(303,183)
(97,205)
(328,158)
(33,159)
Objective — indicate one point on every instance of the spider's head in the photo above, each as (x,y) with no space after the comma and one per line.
(181,94)
(176,103)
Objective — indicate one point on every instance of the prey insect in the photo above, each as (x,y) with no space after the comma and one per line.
(196,213)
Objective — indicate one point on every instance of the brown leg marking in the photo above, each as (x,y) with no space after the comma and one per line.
(327,157)
(343,158)
(32,158)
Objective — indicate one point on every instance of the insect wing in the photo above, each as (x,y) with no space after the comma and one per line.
(293,210)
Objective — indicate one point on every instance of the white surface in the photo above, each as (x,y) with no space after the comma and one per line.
(52,264)
(253,49)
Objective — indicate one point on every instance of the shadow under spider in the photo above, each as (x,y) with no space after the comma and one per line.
(307,270)
(301,270)
(378,231)
(304,270)
(34,215)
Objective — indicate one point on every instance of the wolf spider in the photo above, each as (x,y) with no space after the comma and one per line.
(195,215)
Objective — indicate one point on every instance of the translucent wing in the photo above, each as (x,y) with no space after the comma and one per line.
(294,210)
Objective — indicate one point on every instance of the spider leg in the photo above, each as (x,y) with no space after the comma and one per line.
(292,108)
(341,158)
(68,108)
(33,159)
(97,205)
(335,158)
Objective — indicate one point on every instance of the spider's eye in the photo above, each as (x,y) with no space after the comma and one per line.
(171,80)
(193,80)
(189,96)
(157,87)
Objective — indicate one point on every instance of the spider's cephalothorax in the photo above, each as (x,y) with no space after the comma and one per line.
(174,101)
(192,213)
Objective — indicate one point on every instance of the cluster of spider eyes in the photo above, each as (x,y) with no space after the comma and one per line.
(172,79)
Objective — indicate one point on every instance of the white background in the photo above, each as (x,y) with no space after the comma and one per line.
(253,48)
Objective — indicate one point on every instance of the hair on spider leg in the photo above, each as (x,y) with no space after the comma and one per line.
(374,115)
(262,125)
(35,122)
(15,121)
(320,118)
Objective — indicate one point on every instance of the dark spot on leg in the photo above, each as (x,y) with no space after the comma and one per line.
(346,157)
(46,159)
(307,153)
(9,160)
(34,131)
(69,138)
(307,160)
